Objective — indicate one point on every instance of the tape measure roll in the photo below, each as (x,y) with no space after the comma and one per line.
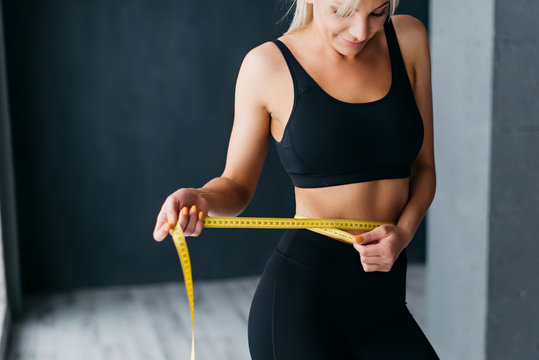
(330,227)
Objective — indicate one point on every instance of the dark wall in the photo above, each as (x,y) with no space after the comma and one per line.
(116,104)
(9,258)
(416,8)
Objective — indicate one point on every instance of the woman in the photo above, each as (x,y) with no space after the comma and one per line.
(350,109)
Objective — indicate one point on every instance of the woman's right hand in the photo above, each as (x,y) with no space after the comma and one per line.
(186,205)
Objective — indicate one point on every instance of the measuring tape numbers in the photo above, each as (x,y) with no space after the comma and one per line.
(330,227)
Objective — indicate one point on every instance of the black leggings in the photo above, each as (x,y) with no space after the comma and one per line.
(314,301)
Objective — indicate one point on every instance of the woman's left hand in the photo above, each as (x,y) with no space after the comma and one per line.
(380,247)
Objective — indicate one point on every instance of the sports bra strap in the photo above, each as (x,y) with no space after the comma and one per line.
(398,69)
(301,79)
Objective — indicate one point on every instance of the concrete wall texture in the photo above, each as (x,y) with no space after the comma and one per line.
(513,286)
(482,272)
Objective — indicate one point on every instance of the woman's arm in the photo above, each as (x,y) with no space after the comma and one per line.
(423,174)
(229,194)
(379,248)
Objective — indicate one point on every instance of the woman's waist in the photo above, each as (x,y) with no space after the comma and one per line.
(318,252)
(366,219)
(381,200)
(340,228)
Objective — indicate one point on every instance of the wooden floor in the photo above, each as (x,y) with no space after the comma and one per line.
(151,321)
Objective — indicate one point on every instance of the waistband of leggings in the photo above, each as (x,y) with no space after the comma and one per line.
(325,254)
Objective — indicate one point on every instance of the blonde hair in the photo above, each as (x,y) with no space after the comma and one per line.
(303,13)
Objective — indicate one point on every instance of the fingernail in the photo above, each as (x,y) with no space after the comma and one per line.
(185,210)
(194,209)
(168,226)
(200,215)
(358,238)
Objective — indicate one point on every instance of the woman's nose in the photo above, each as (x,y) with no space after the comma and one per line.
(359,29)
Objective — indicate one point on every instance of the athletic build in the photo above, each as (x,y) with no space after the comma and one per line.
(351,60)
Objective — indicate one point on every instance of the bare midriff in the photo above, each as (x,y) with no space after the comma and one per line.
(378,200)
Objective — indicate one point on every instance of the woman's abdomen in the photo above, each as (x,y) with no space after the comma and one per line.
(379,200)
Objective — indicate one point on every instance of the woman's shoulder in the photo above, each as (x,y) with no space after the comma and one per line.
(265,57)
(261,72)
(264,65)
(413,42)
(408,25)
(411,33)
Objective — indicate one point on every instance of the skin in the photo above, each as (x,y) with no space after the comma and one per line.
(351,74)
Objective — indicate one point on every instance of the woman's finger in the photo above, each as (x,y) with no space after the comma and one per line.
(193,218)
(200,224)
(371,266)
(371,249)
(184,217)
(159,232)
(376,263)
(170,207)
(372,261)
(167,226)
(374,235)
(158,227)
(165,229)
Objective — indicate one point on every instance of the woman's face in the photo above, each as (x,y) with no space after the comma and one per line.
(348,35)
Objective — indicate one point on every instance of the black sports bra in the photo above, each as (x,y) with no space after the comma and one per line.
(329,142)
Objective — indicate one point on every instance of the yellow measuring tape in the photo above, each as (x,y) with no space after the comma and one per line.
(330,227)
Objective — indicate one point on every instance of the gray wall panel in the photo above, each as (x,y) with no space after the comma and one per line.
(513,311)
(482,283)
(461,55)
(516,19)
